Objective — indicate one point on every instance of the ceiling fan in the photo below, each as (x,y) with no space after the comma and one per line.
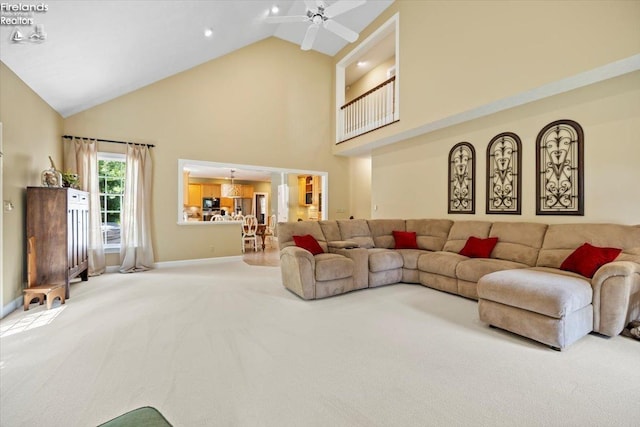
(319,14)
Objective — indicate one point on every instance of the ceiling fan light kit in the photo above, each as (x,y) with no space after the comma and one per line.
(319,14)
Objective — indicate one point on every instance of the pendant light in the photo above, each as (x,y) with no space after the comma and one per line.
(232,190)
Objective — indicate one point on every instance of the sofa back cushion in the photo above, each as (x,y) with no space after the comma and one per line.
(518,241)
(462,230)
(356,230)
(382,231)
(286,231)
(562,239)
(431,233)
(330,230)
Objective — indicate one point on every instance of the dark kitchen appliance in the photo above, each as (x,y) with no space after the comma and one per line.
(210,203)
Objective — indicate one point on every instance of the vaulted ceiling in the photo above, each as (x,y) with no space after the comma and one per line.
(95,51)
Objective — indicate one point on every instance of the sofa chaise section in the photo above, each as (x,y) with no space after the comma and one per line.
(616,285)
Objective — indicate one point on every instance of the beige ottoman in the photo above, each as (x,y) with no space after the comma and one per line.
(553,309)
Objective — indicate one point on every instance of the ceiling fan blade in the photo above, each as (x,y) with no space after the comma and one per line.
(285,19)
(309,37)
(342,6)
(341,30)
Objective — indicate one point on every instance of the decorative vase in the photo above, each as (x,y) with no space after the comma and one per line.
(51,178)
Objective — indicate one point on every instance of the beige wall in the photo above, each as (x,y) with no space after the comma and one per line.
(370,80)
(360,203)
(459,55)
(267,104)
(31,133)
(609,113)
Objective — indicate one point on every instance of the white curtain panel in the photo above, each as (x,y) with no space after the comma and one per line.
(136,251)
(81,157)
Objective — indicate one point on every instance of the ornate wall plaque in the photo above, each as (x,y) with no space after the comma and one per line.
(504,183)
(560,169)
(462,170)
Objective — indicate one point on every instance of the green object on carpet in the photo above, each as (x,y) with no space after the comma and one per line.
(141,417)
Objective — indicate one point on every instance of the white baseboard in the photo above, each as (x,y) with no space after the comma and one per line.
(185,262)
(11,306)
(182,263)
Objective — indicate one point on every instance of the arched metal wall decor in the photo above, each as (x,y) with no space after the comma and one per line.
(462,170)
(504,183)
(560,169)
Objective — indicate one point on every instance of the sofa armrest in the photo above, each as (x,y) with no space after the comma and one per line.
(360,258)
(616,296)
(297,267)
(341,244)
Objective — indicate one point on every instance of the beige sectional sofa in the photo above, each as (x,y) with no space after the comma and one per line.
(520,288)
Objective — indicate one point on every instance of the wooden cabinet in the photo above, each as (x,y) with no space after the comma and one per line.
(247,191)
(58,218)
(307,191)
(211,190)
(226,202)
(195,195)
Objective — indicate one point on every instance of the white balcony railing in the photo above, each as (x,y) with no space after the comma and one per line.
(371,110)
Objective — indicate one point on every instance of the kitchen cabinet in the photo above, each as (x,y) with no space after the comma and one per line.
(226,202)
(58,219)
(195,195)
(306,190)
(247,191)
(211,190)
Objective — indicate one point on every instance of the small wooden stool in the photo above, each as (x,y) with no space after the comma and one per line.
(48,291)
(51,292)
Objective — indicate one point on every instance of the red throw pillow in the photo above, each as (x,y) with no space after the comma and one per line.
(479,248)
(309,243)
(587,259)
(405,239)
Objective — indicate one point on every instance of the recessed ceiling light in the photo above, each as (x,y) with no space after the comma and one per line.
(361,63)
(275,9)
(208,32)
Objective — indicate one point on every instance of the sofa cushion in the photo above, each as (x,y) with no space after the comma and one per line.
(587,259)
(383,260)
(473,269)
(431,234)
(561,240)
(356,230)
(550,294)
(309,243)
(442,263)
(330,230)
(382,231)
(518,241)
(410,257)
(332,267)
(405,240)
(479,248)
(462,230)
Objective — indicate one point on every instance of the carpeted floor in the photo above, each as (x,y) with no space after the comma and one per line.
(224,344)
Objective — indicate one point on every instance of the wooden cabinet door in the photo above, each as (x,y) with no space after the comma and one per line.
(195,195)
(247,191)
(211,190)
(226,202)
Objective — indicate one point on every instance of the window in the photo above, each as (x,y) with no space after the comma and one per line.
(111,173)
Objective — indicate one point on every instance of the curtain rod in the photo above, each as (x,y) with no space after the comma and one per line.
(107,140)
